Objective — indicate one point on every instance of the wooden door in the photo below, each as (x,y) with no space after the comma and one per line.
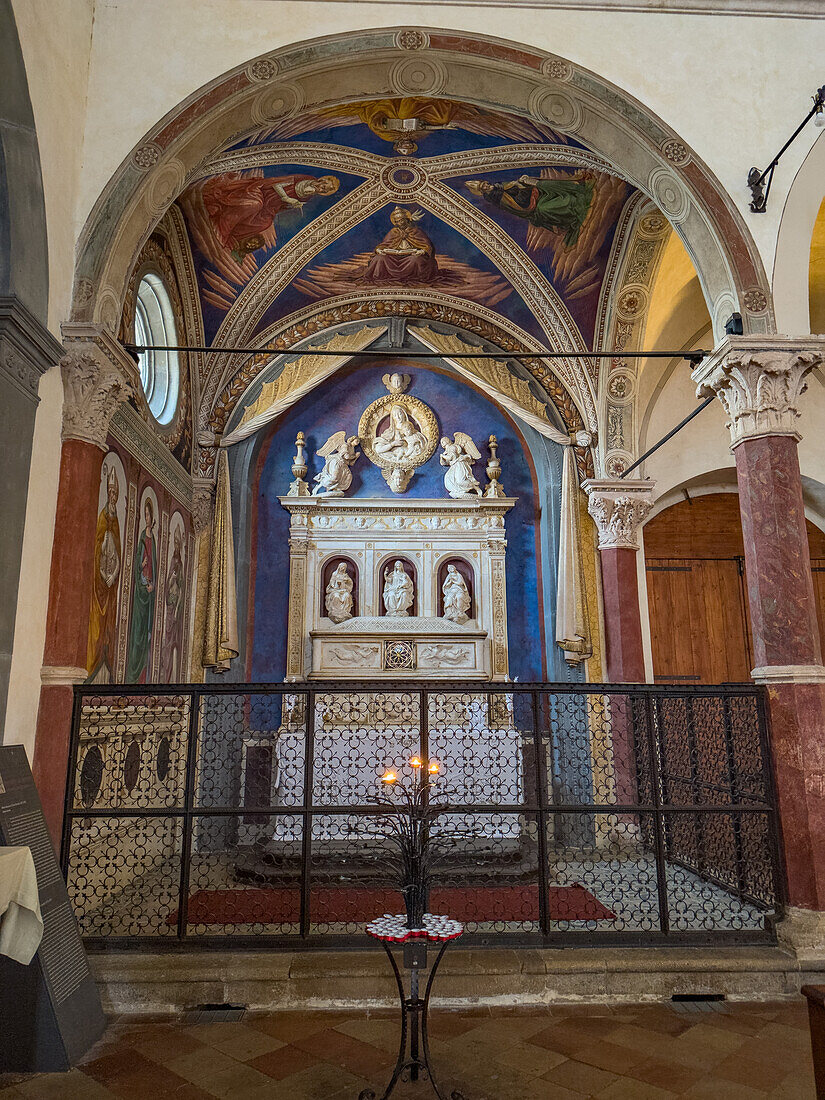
(698,620)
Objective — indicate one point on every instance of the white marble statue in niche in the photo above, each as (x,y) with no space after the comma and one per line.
(398,592)
(338,596)
(340,452)
(459,454)
(456,596)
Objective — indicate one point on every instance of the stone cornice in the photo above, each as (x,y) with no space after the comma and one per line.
(129,428)
(759,380)
(619,509)
(768,9)
(27,349)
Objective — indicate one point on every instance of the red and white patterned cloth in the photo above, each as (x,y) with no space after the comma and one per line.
(393,928)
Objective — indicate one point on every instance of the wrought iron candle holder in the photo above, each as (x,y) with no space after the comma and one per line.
(408,825)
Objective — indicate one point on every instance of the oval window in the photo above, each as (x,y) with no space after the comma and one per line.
(91,775)
(155,329)
(163,759)
(131,767)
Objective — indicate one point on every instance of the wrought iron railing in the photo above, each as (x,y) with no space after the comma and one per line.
(240,814)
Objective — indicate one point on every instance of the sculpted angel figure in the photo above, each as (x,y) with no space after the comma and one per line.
(459,454)
(401,441)
(398,591)
(456,596)
(339,594)
(340,453)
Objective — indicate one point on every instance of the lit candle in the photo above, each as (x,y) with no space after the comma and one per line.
(416,763)
(433,768)
(388,777)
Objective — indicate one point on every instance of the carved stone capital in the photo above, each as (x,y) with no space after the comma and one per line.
(93,390)
(618,509)
(98,376)
(203,490)
(759,381)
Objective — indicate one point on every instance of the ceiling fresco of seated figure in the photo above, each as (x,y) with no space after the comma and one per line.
(415,194)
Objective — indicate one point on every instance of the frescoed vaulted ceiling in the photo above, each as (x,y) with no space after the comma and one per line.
(464,208)
(496,210)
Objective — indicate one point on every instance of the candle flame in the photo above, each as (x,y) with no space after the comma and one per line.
(416,763)
(434,767)
(388,777)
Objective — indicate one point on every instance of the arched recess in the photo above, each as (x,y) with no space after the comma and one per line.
(793,243)
(402,61)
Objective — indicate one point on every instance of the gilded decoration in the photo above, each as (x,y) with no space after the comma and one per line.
(398,433)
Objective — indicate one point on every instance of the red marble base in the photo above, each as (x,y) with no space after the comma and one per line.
(624,656)
(797,720)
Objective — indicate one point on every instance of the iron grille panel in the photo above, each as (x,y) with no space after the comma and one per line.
(576,813)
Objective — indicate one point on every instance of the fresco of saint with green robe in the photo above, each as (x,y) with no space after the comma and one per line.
(559,205)
(144,593)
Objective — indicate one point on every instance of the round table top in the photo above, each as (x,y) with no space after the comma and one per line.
(392,928)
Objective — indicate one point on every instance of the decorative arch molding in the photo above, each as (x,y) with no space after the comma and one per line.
(323,319)
(410,61)
(793,243)
(621,325)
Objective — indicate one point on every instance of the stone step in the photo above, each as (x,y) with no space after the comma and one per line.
(173,980)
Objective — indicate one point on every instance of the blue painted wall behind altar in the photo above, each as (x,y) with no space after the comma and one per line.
(339,403)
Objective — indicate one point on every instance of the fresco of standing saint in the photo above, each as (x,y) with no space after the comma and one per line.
(144,594)
(102,640)
(174,597)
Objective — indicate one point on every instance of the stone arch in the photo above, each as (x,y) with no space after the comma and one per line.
(408,61)
(24,252)
(793,243)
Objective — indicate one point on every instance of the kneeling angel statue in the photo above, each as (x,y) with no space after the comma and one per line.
(459,454)
(340,453)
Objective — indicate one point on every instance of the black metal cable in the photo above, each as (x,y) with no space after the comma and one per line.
(692,356)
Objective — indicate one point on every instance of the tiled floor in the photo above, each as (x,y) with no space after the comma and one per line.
(637,1052)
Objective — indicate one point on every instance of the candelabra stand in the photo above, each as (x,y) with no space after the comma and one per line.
(408,827)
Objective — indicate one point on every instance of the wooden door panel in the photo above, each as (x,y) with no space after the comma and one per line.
(698,623)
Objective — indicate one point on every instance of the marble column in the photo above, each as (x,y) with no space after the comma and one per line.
(619,509)
(95,373)
(759,380)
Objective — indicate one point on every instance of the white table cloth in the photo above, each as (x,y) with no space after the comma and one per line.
(21,925)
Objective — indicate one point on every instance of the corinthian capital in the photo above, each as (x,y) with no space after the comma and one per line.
(618,509)
(759,380)
(98,376)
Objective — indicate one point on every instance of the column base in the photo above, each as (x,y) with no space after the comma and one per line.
(802,931)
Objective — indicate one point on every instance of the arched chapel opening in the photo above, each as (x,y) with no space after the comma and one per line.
(408,377)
